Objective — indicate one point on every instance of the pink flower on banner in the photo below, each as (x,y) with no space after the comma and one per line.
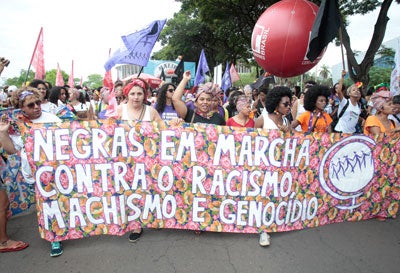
(73,234)
(199,141)
(179,201)
(113,229)
(376,197)
(170,223)
(202,159)
(192,226)
(179,171)
(228,228)
(212,134)
(225,163)
(325,140)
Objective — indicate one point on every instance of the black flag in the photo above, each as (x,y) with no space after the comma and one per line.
(162,75)
(325,28)
(179,71)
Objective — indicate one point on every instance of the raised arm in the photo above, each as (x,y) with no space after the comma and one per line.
(340,86)
(179,104)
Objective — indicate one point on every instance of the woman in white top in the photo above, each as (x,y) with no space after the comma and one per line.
(46,105)
(28,99)
(348,121)
(136,109)
(277,104)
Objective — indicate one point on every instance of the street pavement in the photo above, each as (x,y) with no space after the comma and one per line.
(368,246)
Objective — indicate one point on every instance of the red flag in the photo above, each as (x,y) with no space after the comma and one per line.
(71,81)
(59,78)
(234,75)
(37,60)
(107,81)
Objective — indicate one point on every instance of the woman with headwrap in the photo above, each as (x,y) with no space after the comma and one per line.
(29,100)
(242,118)
(202,113)
(380,123)
(137,109)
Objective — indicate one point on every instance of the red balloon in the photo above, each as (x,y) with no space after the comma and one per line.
(281,35)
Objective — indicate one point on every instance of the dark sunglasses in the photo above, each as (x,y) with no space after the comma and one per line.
(32,104)
(171,90)
(287,104)
(118,98)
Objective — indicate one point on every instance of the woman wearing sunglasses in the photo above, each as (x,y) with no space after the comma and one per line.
(29,100)
(164,105)
(277,103)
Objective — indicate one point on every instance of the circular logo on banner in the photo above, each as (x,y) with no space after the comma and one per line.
(350,166)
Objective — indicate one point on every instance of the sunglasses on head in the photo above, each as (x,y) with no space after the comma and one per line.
(171,90)
(32,104)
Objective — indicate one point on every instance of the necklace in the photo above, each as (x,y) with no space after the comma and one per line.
(135,116)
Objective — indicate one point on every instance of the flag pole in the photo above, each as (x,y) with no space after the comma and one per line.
(341,46)
(33,54)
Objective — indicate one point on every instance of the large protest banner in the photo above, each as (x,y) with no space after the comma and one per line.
(108,178)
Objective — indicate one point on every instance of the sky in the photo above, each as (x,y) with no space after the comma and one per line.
(84,31)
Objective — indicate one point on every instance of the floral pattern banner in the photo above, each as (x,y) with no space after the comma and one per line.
(111,177)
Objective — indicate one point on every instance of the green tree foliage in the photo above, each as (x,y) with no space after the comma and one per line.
(19,81)
(223,29)
(94,81)
(379,75)
(52,74)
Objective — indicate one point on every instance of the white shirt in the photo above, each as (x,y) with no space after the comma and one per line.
(347,123)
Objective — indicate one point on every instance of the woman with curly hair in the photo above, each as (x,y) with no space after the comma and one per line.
(164,104)
(277,105)
(315,119)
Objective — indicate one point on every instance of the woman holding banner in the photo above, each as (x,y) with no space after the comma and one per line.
(29,100)
(277,104)
(136,109)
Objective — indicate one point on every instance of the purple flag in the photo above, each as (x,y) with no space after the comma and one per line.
(226,80)
(202,69)
(137,46)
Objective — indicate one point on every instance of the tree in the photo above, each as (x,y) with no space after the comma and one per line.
(360,71)
(94,81)
(20,80)
(51,76)
(224,27)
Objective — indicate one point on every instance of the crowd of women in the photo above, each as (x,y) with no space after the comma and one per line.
(317,108)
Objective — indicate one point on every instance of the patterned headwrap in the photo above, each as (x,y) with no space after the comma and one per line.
(379,98)
(208,88)
(242,102)
(24,94)
(135,82)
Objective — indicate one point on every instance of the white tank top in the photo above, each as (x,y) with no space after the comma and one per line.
(125,116)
